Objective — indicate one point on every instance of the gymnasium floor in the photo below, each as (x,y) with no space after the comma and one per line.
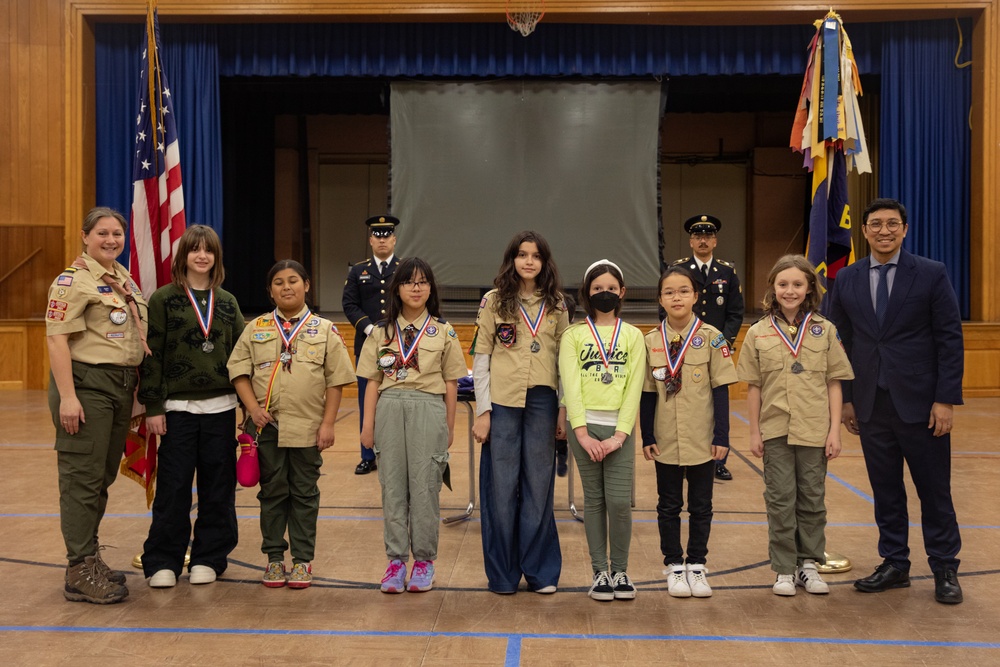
(343,619)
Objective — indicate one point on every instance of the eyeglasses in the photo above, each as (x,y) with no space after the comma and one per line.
(877,225)
(684,293)
(419,284)
(703,236)
(382,233)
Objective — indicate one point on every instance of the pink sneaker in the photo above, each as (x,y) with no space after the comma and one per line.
(394,580)
(422,576)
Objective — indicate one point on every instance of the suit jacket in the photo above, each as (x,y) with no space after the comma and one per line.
(720,300)
(365,295)
(919,343)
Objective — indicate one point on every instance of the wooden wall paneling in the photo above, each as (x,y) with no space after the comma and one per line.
(8,42)
(985,195)
(37,357)
(13,367)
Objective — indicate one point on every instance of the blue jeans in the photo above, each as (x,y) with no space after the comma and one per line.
(516,483)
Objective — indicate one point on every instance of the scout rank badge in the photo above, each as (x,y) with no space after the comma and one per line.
(606,376)
(205,318)
(408,351)
(507,334)
(288,336)
(671,375)
(793,346)
(533,326)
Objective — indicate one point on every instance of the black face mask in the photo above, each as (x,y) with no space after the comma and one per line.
(605,302)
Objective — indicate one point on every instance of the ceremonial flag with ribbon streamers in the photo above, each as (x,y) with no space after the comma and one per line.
(829,133)
(157,219)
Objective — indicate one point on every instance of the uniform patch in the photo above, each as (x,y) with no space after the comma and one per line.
(60,292)
(55,315)
(264,321)
(115,334)
(266,364)
(312,332)
(506,334)
(482,304)
(697,342)
(64,281)
(314,322)
(118,316)
(104,289)
(260,335)
(451,332)
(816,330)
(365,277)
(725,351)
(697,375)
(57,305)
(719,342)
(431,330)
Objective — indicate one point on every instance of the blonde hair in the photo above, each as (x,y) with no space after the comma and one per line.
(813,298)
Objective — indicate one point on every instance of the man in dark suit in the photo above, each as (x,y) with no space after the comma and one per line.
(720,299)
(365,295)
(899,320)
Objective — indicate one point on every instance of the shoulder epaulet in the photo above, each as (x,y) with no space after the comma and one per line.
(731,265)
(441,320)
(70,269)
(762,317)
(816,317)
(364,261)
(682,260)
(381,323)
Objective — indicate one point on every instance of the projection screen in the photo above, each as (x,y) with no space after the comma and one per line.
(474,163)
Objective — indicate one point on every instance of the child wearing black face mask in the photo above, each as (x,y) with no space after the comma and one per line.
(601,366)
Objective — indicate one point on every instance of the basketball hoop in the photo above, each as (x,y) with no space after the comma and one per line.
(524,15)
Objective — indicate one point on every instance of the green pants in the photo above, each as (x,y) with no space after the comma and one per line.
(88,461)
(411,446)
(289,497)
(794,492)
(607,497)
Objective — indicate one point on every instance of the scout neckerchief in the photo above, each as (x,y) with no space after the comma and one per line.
(793,346)
(606,377)
(675,357)
(408,352)
(533,326)
(81,263)
(288,336)
(204,319)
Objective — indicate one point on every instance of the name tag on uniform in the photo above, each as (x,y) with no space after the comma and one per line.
(365,277)
(116,334)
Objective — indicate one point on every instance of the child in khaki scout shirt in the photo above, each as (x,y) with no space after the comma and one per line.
(412,361)
(793,361)
(517,336)
(289,368)
(95,329)
(685,401)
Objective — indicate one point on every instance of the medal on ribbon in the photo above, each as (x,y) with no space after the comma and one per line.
(204,319)
(408,354)
(533,326)
(793,346)
(676,361)
(288,336)
(606,356)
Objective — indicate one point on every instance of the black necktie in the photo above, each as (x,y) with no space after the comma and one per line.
(383,265)
(704,271)
(882,293)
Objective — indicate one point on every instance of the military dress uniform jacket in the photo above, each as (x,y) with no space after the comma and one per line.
(365,295)
(720,300)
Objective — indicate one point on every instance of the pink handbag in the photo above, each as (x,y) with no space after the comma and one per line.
(247,466)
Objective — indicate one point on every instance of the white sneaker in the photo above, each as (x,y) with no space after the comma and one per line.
(808,578)
(163,579)
(677,584)
(697,579)
(784,585)
(202,574)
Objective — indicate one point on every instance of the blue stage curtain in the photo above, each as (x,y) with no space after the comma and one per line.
(190,60)
(925,152)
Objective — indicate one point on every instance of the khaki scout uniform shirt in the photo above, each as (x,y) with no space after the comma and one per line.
(685,421)
(100,324)
(298,396)
(514,368)
(438,359)
(794,405)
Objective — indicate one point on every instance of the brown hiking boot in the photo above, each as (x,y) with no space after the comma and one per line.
(114,576)
(85,584)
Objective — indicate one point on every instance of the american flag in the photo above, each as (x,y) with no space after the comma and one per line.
(157,196)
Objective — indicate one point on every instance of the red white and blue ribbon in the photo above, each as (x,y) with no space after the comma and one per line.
(533,326)
(606,356)
(796,345)
(675,364)
(408,352)
(289,336)
(204,321)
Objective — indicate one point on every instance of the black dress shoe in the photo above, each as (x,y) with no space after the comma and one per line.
(946,587)
(365,467)
(722,472)
(886,576)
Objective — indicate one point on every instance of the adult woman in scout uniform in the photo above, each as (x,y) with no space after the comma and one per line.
(96,327)
(793,361)
(289,368)
(412,361)
(517,339)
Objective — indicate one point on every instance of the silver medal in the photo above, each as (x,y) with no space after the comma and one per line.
(285,357)
(207,346)
(401,374)
(607,378)
(797,368)
(720,300)
(535,346)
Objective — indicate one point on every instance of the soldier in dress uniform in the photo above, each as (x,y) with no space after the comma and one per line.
(364,302)
(720,301)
